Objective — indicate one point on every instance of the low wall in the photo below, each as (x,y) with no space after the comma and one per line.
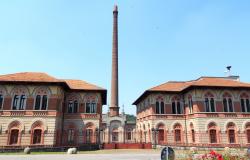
(83,147)
(127,146)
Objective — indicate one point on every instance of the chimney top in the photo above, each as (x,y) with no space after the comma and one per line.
(115,8)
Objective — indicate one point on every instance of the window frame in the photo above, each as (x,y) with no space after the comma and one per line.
(1,101)
(41,102)
(245,105)
(177,104)
(226,103)
(160,107)
(92,107)
(209,103)
(213,136)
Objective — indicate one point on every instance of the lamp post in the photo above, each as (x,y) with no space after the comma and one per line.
(155,131)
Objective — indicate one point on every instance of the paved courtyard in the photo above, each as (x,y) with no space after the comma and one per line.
(83,156)
(91,155)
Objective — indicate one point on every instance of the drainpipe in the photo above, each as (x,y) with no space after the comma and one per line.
(185,116)
(62,125)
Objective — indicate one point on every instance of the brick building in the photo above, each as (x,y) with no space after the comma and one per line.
(209,111)
(39,110)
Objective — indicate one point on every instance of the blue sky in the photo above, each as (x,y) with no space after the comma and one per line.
(159,40)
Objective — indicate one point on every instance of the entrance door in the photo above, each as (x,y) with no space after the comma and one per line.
(115,137)
(14,136)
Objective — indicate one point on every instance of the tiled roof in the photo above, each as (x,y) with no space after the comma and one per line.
(175,86)
(45,78)
(203,81)
(28,77)
(79,84)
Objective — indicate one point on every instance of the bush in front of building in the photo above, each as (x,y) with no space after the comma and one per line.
(72,151)
(27,150)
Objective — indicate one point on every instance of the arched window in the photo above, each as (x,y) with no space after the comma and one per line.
(245,105)
(231,133)
(248,132)
(1,101)
(176,106)
(209,103)
(19,102)
(41,102)
(14,129)
(159,107)
(177,133)
(91,107)
(73,106)
(227,103)
(41,98)
(212,130)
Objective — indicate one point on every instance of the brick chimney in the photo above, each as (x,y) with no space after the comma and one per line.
(114,105)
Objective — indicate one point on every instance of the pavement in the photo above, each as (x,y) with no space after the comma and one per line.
(123,156)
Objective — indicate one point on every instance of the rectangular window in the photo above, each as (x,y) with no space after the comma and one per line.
(1,102)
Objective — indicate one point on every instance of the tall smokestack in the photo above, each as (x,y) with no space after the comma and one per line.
(114,108)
